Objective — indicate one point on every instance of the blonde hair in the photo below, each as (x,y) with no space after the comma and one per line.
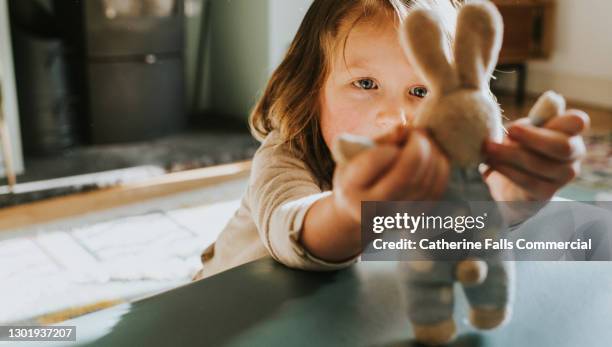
(290,102)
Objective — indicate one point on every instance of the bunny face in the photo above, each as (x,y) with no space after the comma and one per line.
(459,110)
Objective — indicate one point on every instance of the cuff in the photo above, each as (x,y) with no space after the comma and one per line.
(285,246)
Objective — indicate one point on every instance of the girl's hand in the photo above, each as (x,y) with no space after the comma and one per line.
(534,163)
(406,164)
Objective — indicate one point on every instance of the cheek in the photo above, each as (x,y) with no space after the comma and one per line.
(345,115)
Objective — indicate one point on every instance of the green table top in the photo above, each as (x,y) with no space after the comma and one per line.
(265,304)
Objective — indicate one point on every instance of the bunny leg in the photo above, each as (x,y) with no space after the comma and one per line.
(490,301)
(429,300)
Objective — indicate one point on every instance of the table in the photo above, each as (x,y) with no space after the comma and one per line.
(265,304)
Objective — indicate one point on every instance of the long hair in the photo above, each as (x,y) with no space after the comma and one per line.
(290,103)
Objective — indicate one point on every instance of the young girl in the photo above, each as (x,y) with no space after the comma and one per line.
(345,72)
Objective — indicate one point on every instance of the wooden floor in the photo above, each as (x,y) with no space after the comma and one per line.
(601,119)
(49,210)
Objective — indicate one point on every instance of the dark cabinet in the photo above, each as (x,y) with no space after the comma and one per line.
(133,63)
(528,29)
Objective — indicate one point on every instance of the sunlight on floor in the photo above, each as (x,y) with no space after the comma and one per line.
(118,259)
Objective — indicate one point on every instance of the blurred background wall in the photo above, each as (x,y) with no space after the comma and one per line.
(9,96)
(580,66)
(245,41)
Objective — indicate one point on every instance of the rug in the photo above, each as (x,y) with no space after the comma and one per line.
(595,180)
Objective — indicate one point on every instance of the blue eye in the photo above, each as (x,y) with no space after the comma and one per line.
(419,91)
(366,84)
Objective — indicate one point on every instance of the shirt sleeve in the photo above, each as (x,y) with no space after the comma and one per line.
(281,190)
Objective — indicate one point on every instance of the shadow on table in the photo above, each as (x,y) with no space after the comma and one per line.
(465,340)
(265,304)
(187,315)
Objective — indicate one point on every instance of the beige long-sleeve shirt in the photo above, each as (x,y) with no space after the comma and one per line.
(269,220)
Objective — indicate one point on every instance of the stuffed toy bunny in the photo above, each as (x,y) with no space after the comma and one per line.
(460,113)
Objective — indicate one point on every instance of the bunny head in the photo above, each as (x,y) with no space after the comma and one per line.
(459,111)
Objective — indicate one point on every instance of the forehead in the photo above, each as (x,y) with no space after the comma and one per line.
(374,39)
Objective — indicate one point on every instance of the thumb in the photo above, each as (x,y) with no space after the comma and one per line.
(368,166)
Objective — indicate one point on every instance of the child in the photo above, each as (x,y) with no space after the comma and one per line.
(346,73)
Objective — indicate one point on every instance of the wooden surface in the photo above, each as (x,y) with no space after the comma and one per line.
(528,29)
(559,304)
(77,204)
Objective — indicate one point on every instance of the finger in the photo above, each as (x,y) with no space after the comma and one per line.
(435,182)
(368,166)
(396,178)
(397,136)
(421,190)
(408,168)
(521,121)
(444,178)
(549,143)
(529,162)
(537,188)
(441,181)
(484,169)
(573,122)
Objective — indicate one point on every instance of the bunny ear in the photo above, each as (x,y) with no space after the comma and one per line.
(477,44)
(423,42)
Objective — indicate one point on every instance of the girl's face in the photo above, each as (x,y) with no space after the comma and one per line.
(372,87)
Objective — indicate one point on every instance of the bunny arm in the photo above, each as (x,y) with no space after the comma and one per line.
(548,106)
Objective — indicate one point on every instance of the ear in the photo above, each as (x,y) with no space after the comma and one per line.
(477,44)
(423,42)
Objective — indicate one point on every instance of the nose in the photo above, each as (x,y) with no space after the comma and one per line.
(391,116)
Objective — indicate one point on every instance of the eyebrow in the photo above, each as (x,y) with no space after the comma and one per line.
(359,64)
(356,64)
